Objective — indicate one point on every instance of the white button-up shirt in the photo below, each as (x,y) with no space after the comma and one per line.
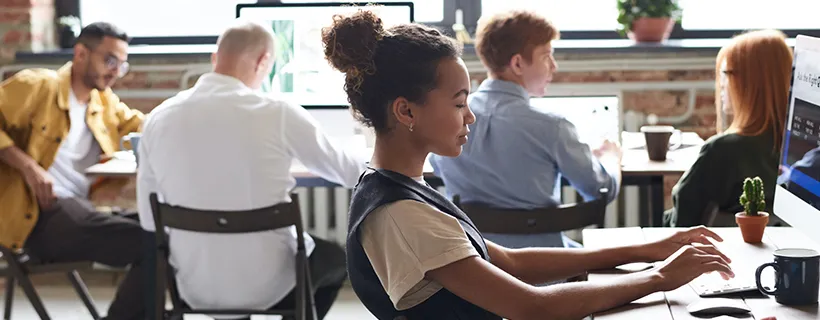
(223,146)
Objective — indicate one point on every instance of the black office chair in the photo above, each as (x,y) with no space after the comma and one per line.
(713,217)
(540,220)
(210,221)
(20,265)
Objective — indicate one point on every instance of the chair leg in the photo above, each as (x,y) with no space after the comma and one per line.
(33,297)
(82,291)
(9,297)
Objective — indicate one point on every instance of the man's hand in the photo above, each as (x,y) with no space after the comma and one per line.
(35,176)
(42,183)
(688,263)
(700,236)
(608,148)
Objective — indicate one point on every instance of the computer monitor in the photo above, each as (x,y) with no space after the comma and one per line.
(595,117)
(301,73)
(797,193)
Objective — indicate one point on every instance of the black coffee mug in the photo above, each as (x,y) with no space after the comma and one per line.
(797,276)
(657,141)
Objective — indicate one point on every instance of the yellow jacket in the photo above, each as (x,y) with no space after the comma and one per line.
(34,117)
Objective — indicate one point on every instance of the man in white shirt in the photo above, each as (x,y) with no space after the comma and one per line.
(224,145)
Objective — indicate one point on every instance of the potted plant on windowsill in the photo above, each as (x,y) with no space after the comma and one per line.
(752,221)
(68,28)
(647,20)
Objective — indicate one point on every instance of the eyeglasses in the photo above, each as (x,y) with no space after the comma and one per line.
(113,63)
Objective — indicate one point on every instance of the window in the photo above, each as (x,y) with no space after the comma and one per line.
(425,10)
(701,18)
(162,18)
(577,15)
(175,21)
(757,14)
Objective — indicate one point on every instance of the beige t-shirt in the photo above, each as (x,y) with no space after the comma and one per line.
(407,238)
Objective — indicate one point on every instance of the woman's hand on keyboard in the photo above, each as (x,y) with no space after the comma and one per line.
(660,250)
(688,263)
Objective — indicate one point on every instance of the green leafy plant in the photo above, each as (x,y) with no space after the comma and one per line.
(753,198)
(631,10)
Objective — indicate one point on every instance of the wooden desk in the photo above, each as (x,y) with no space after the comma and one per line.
(635,164)
(637,170)
(745,259)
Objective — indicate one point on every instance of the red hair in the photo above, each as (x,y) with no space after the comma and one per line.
(759,68)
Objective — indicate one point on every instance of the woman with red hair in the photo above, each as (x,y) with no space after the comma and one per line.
(753,74)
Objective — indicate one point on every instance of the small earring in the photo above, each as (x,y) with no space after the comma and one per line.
(410,127)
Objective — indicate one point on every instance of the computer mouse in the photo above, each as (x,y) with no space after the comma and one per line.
(718,306)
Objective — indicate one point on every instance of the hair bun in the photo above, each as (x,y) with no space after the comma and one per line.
(350,42)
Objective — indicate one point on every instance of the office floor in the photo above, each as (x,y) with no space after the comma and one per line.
(62,304)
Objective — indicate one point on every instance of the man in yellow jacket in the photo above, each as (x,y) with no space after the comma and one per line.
(54,125)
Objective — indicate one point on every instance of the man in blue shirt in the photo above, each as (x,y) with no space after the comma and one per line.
(516,154)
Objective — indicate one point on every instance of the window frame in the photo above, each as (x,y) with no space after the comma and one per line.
(471,10)
(678,33)
(72,7)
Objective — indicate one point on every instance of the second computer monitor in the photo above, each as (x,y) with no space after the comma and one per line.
(301,72)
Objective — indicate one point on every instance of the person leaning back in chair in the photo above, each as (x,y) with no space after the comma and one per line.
(54,125)
(412,254)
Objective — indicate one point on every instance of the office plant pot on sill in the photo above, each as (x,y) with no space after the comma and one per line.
(648,29)
(647,20)
(752,222)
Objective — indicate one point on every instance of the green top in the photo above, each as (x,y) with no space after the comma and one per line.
(717,176)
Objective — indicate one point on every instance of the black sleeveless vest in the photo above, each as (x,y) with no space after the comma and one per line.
(384,187)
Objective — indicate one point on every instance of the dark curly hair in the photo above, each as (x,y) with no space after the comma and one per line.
(381,65)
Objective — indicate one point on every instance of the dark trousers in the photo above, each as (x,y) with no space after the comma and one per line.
(72,230)
(327,272)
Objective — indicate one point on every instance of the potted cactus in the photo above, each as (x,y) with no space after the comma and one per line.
(752,221)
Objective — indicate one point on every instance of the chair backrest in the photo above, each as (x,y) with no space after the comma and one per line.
(539,220)
(212,221)
(713,217)
(710,214)
(241,221)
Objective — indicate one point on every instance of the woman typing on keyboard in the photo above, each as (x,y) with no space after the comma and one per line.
(411,253)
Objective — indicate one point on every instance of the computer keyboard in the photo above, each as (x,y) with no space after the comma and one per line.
(713,284)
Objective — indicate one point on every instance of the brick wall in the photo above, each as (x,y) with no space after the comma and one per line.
(26,25)
(659,102)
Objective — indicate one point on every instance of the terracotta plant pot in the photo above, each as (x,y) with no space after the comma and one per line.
(752,227)
(651,29)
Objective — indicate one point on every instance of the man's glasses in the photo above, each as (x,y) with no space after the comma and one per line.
(113,63)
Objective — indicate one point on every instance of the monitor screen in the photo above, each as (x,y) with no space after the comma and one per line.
(300,71)
(797,194)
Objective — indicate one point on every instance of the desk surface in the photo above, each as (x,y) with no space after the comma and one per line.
(635,161)
(745,259)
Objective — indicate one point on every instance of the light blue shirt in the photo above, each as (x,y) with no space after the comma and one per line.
(516,156)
